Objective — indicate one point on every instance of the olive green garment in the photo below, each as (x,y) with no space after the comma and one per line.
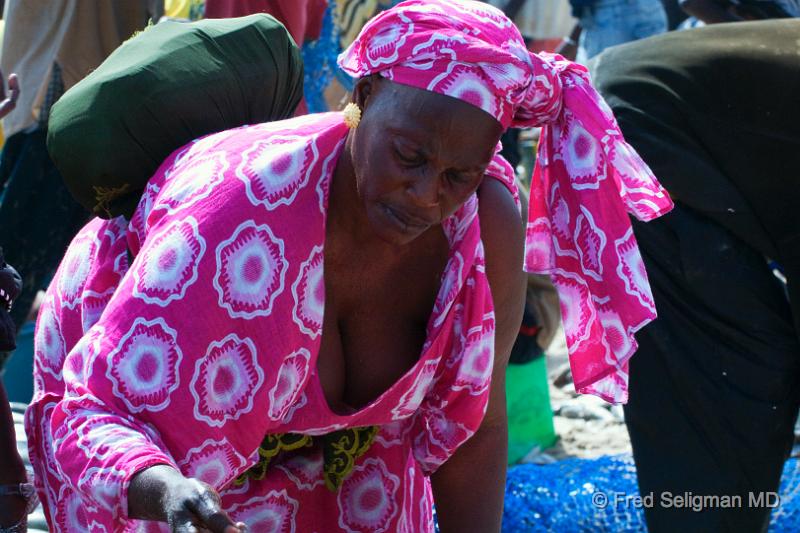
(166,86)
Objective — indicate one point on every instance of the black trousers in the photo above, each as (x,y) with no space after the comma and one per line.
(38,216)
(714,384)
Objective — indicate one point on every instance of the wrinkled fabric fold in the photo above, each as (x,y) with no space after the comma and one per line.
(586,182)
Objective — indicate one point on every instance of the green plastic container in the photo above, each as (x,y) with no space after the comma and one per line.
(530,417)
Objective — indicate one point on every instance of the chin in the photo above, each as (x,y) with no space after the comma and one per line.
(396,238)
(389,232)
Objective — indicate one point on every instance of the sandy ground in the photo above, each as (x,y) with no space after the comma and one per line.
(586,425)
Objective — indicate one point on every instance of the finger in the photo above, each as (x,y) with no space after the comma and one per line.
(9,101)
(182,522)
(13,87)
(207,508)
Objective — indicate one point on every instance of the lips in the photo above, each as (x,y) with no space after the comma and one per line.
(408,220)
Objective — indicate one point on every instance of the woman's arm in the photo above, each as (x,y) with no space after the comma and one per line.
(12,470)
(469,488)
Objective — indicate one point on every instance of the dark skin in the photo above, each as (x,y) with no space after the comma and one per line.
(12,470)
(414,159)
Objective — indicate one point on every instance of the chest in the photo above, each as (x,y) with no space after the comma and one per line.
(376,313)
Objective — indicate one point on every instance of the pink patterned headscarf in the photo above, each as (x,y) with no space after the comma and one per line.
(586,181)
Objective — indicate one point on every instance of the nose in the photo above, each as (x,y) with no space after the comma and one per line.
(425,191)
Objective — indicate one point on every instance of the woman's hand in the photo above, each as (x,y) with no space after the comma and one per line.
(189,506)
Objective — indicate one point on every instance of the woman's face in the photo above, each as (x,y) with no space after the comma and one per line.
(417,156)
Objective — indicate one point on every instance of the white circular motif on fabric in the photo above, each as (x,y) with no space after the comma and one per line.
(631,270)
(324,183)
(559,213)
(636,176)
(92,308)
(192,182)
(458,336)
(204,145)
(275,168)
(459,223)
(47,446)
(167,267)
(101,436)
(213,462)
(308,291)
(70,510)
(143,368)
(409,402)
(615,335)
(583,157)
(468,84)
(74,363)
(295,407)
(366,499)
(452,280)
(539,253)
(292,377)
(79,361)
(139,221)
(115,229)
(560,218)
(226,380)
(577,310)
(385,44)
(305,471)
(475,370)
(121,265)
(591,242)
(394,433)
(435,49)
(443,437)
(273,513)
(75,267)
(638,184)
(251,269)
(103,484)
(50,349)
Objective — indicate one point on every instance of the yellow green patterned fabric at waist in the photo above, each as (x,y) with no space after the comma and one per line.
(340,450)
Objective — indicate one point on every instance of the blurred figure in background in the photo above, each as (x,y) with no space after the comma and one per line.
(303,18)
(543,23)
(716,11)
(714,386)
(17,496)
(51,45)
(605,23)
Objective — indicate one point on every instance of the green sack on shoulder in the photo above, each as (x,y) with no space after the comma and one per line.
(166,86)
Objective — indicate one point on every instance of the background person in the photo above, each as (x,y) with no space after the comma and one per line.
(50,45)
(714,386)
(605,23)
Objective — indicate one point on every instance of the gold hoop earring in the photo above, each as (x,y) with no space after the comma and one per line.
(352,115)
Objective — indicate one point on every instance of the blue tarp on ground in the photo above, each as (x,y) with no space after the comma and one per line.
(563,496)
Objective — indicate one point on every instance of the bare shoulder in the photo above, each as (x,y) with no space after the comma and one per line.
(502,228)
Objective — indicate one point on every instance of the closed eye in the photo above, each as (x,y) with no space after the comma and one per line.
(456,178)
(409,159)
